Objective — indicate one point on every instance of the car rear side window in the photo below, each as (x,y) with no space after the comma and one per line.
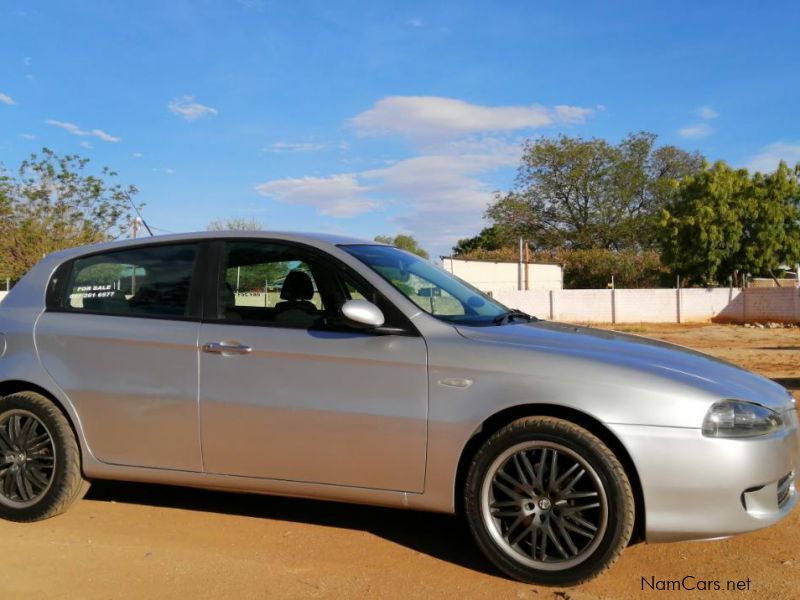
(151,281)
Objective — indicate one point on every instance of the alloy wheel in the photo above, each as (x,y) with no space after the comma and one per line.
(544,505)
(27,459)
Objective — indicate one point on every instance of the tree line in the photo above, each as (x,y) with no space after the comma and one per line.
(52,202)
(643,212)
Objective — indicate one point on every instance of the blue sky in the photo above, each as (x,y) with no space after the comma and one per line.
(376,117)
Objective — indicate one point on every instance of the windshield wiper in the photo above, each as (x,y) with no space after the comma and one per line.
(510,315)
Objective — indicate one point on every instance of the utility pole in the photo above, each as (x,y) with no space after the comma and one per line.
(137,222)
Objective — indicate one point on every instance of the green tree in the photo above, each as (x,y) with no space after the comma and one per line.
(494,237)
(236,224)
(51,202)
(772,222)
(723,222)
(591,194)
(404,242)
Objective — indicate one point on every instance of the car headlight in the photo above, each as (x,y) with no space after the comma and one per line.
(739,419)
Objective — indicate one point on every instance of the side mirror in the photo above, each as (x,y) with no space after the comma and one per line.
(362,314)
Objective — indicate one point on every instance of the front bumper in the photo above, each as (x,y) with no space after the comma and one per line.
(697,487)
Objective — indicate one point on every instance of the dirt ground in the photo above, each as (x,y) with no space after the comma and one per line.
(141,541)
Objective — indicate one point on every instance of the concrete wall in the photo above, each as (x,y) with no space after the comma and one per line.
(488,275)
(658,305)
(2,295)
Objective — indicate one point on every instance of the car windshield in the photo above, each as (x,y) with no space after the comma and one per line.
(430,287)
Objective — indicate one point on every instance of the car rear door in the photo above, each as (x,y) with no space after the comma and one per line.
(287,393)
(120,339)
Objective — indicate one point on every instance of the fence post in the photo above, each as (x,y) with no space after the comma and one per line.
(613,306)
(744,304)
(552,312)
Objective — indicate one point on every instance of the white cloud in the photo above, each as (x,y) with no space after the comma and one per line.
(75,130)
(335,196)
(415,22)
(437,118)
(85,144)
(295,147)
(696,131)
(186,107)
(5,99)
(27,136)
(438,197)
(768,158)
(440,182)
(705,112)
(441,194)
(444,195)
(137,155)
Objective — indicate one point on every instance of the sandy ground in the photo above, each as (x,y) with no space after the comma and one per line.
(140,541)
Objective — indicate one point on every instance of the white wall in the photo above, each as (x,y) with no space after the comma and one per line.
(488,275)
(658,305)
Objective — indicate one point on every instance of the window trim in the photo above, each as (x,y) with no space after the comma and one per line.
(55,298)
(216,259)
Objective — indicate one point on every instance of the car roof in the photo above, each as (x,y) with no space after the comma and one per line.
(313,239)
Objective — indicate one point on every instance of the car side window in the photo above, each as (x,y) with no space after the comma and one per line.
(271,284)
(151,281)
(286,285)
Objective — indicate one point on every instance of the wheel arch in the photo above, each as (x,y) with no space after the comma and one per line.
(588,422)
(12,386)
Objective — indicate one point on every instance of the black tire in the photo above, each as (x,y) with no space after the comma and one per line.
(517,525)
(40,460)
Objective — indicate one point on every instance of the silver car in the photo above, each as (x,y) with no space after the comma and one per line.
(325,367)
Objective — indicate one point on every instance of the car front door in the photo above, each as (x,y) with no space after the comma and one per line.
(288,392)
(119,337)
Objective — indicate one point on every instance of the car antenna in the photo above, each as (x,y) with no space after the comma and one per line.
(139,214)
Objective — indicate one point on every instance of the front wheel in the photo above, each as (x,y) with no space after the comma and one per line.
(40,463)
(548,502)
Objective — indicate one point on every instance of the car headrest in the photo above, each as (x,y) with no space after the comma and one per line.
(297,286)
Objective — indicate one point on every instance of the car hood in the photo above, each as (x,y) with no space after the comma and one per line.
(640,353)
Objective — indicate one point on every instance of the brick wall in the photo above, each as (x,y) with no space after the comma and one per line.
(772,304)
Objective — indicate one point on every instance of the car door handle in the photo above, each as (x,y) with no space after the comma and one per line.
(226,348)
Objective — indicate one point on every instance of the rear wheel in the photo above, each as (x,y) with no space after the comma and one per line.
(40,466)
(548,502)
